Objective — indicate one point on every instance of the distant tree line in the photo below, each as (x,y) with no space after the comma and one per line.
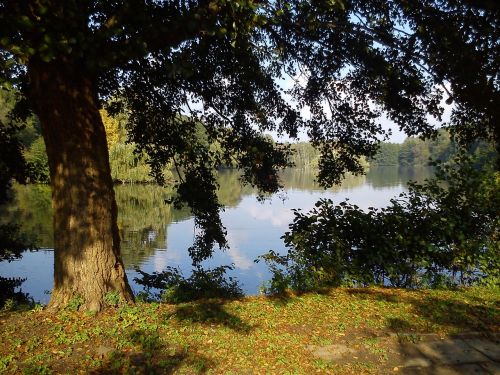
(417,152)
(128,166)
(305,156)
(412,152)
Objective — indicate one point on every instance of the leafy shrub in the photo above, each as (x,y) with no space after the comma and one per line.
(113,299)
(75,303)
(444,232)
(173,287)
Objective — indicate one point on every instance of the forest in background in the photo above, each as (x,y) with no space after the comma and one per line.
(417,152)
(127,166)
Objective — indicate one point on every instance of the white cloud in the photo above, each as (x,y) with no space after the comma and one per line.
(238,258)
(278,217)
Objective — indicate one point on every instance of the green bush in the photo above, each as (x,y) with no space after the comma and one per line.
(442,233)
(172,287)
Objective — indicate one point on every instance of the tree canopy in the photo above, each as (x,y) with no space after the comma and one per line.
(172,65)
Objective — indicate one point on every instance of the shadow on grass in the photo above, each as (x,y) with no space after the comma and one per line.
(382,295)
(283,299)
(209,312)
(288,296)
(398,325)
(152,357)
(463,314)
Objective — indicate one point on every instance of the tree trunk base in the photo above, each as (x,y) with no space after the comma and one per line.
(87,261)
(69,298)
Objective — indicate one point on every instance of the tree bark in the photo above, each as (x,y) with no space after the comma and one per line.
(87,261)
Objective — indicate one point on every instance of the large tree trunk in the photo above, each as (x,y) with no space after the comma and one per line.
(87,261)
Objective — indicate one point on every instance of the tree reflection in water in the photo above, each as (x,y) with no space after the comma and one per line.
(145,219)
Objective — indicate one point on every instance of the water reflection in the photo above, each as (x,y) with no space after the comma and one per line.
(383,177)
(32,211)
(143,218)
(154,235)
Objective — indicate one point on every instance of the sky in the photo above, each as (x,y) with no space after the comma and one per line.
(397,136)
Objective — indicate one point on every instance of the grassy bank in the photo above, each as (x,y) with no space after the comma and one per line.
(251,335)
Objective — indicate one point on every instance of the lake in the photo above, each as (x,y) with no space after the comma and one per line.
(154,235)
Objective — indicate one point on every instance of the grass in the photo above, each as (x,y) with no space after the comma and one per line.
(249,335)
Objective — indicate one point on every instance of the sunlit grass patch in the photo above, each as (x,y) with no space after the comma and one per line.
(253,335)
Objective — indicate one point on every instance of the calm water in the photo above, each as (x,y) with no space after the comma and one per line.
(154,235)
